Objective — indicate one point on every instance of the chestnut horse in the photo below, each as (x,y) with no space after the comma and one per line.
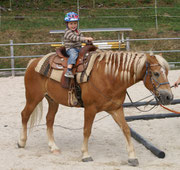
(113,72)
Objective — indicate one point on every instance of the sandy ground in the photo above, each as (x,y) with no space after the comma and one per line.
(106,145)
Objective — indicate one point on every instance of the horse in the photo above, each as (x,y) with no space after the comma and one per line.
(113,72)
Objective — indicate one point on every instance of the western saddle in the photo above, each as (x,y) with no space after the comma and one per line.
(59,62)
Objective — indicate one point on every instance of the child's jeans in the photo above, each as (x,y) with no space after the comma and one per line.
(73,55)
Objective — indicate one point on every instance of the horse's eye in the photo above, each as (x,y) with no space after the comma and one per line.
(156,74)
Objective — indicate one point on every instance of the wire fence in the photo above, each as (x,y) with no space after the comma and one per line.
(127,41)
(92,13)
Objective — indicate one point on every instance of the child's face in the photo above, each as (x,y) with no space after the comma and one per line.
(73,25)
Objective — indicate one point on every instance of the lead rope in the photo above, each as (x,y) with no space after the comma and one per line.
(176,112)
(169,109)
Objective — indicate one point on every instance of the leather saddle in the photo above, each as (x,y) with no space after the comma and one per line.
(59,61)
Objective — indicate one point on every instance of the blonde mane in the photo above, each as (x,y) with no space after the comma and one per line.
(115,59)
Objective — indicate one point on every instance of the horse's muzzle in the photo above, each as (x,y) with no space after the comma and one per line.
(165,97)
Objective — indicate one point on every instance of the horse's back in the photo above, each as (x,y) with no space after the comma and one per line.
(32,79)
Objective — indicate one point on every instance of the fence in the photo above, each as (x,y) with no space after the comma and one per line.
(111,44)
(94,13)
(116,12)
(127,41)
(106,17)
(150,12)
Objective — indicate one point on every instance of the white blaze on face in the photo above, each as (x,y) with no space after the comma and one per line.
(163,72)
(164,64)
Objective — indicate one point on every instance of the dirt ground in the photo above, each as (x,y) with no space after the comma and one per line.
(106,145)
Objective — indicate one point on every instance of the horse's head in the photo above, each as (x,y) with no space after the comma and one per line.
(155,78)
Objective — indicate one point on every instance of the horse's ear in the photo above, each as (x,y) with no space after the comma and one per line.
(150,57)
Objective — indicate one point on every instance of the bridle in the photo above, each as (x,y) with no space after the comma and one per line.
(153,80)
(148,71)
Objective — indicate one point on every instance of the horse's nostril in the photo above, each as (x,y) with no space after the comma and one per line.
(167,98)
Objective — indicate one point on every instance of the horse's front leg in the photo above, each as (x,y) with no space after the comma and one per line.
(89,115)
(53,107)
(118,116)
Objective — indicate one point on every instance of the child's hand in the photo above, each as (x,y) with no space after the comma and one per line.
(89,39)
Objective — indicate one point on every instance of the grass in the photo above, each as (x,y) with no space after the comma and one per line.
(39,17)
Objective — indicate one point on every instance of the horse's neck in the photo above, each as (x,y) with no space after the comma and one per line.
(125,68)
(139,77)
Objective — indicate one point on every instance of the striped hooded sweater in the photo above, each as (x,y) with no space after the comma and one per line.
(73,39)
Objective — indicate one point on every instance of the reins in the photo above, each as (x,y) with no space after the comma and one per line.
(133,103)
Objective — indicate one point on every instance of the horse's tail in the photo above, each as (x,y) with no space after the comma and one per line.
(36,115)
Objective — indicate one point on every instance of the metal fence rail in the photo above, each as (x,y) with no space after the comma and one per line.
(127,41)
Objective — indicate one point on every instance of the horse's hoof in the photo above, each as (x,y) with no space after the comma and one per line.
(19,146)
(133,162)
(88,159)
(56,152)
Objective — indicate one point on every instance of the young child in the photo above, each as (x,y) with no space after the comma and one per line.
(72,40)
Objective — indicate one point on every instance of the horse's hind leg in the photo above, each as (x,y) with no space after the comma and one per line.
(34,95)
(118,116)
(53,107)
(31,104)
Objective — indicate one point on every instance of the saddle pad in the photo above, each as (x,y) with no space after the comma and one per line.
(43,68)
(43,64)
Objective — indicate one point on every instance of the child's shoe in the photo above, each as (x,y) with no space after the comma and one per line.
(69,74)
